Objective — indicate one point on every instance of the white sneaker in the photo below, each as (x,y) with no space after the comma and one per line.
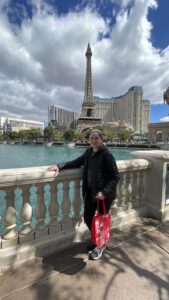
(97,252)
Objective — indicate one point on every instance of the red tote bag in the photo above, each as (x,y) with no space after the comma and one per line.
(100,231)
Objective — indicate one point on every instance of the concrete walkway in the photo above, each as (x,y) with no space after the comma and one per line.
(135,267)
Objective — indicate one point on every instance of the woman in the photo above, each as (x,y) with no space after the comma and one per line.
(100,178)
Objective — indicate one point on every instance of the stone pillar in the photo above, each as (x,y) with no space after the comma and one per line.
(41,229)
(10,238)
(77,218)
(54,225)
(156,189)
(67,222)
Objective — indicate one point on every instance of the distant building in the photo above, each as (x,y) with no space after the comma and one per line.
(158,132)
(145,115)
(59,116)
(129,108)
(14,124)
(2,124)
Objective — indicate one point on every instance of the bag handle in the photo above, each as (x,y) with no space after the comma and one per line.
(104,206)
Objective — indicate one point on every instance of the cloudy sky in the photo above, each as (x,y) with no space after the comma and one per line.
(43,44)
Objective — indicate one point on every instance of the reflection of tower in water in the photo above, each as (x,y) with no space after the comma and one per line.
(87,118)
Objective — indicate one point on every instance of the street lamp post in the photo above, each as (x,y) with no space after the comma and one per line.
(166,96)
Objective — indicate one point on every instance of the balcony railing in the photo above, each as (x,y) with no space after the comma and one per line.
(41,212)
(35,203)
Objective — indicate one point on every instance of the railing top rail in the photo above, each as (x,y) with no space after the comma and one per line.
(20,176)
(133,165)
(157,154)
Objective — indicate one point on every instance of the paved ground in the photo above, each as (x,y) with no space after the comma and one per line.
(135,267)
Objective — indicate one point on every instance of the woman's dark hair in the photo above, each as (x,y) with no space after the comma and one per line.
(96,131)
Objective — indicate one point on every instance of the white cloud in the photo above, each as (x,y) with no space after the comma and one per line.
(43,60)
(165,119)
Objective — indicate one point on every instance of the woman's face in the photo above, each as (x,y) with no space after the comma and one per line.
(95,140)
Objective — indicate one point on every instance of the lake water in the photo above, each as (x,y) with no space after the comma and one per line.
(20,156)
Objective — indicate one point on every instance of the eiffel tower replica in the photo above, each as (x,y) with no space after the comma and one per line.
(87,118)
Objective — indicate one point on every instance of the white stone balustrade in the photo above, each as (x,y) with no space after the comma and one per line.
(155,183)
(128,196)
(50,215)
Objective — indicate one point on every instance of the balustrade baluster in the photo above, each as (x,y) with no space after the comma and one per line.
(54,225)
(26,233)
(118,200)
(141,188)
(77,217)
(114,206)
(26,193)
(122,190)
(2,197)
(41,228)
(10,238)
(67,222)
(128,190)
(135,195)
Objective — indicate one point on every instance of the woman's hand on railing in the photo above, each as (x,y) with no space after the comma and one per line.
(53,168)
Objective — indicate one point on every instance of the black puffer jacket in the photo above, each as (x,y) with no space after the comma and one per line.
(104,172)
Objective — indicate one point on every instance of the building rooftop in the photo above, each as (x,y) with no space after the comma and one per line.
(62,107)
(133,88)
(22,120)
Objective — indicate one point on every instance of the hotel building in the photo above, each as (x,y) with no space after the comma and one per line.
(59,116)
(129,108)
(159,132)
(13,124)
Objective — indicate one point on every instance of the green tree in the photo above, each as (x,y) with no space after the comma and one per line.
(80,136)
(86,133)
(34,134)
(49,133)
(23,134)
(109,135)
(58,135)
(124,135)
(13,135)
(70,135)
(5,136)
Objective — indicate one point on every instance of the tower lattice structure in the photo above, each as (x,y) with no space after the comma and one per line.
(87,118)
(88,105)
